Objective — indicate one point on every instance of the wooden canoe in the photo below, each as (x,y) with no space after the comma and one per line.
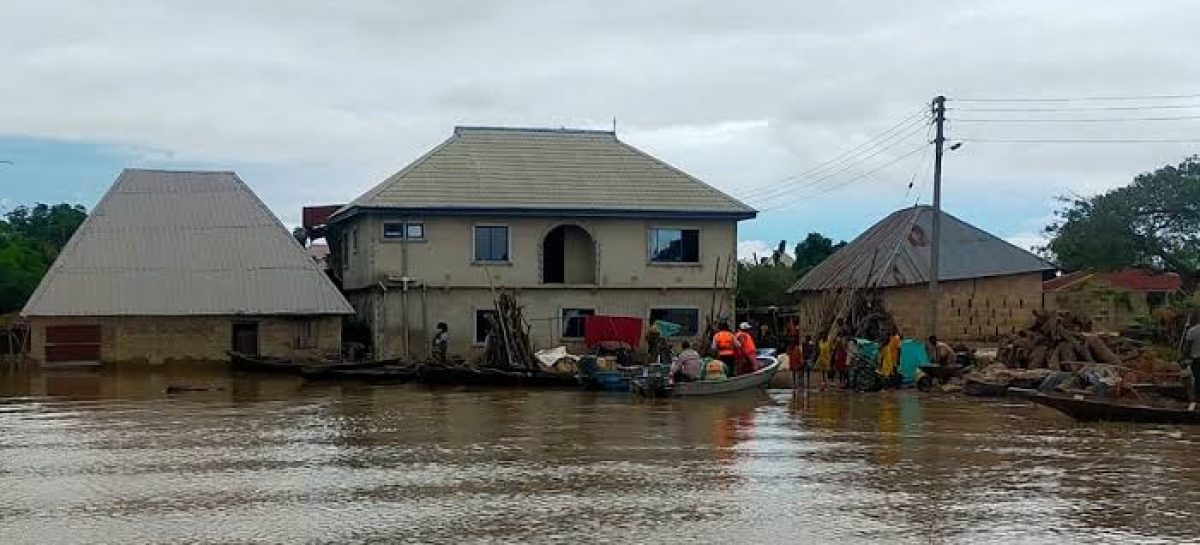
(752,381)
(1088,409)
(983,388)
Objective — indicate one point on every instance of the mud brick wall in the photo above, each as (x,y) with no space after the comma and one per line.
(163,339)
(976,309)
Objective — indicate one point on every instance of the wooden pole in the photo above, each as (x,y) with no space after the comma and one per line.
(935,243)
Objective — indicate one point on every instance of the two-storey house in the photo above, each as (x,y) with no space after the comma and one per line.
(576,222)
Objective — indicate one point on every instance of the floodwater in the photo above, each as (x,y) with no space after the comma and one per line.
(91,456)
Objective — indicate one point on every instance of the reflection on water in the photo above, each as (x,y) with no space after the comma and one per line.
(91,456)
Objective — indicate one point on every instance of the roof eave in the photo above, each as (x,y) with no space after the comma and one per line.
(717,215)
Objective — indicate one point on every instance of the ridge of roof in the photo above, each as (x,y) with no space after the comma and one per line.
(461,129)
(523,170)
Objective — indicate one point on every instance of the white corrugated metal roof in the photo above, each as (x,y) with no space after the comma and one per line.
(895,252)
(545,169)
(183,243)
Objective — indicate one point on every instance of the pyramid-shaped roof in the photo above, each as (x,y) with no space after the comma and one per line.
(172,243)
(558,171)
(895,252)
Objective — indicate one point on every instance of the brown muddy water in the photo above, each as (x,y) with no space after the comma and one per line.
(109,457)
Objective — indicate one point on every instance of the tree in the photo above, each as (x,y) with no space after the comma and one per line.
(763,284)
(1154,221)
(49,227)
(814,249)
(30,240)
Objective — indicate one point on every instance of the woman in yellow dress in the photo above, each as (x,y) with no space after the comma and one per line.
(889,356)
(824,358)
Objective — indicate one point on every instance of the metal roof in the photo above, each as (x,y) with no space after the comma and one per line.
(895,252)
(170,243)
(498,169)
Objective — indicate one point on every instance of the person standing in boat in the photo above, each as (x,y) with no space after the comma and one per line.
(725,346)
(440,340)
(747,354)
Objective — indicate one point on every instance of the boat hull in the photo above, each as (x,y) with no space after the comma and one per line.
(752,381)
(1093,410)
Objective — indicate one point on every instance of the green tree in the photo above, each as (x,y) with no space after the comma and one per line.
(49,227)
(1154,221)
(30,239)
(811,251)
(763,284)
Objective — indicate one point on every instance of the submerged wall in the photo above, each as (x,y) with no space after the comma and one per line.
(162,339)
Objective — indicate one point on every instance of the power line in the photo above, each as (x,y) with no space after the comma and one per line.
(780,189)
(1080,141)
(1079,120)
(1078,99)
(1084,108)
(878,138)
(847,182)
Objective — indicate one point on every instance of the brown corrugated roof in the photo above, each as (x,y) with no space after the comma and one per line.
(895,252)
(1130,279)
(183,243)
(545,169)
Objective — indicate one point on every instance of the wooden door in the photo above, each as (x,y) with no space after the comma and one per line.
(245,338)
(73,343)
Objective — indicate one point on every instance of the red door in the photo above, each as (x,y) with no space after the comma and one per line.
(73,343)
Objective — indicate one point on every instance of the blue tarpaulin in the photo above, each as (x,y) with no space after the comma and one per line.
(912,357)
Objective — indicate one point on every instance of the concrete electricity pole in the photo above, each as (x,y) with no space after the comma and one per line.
(935,243)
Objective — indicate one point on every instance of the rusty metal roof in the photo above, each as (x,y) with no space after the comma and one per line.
(895,252)
(560,170)
(171,243)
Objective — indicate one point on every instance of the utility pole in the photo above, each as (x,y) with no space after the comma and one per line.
(935,242)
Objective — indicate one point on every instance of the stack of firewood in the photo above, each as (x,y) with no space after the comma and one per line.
(508,345)
(1058,339)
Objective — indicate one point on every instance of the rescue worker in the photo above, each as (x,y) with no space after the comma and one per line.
(747,354)
(725,346)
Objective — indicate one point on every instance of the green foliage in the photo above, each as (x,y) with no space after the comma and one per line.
(814,249)
(30,239)
(1155,221)
(763,284)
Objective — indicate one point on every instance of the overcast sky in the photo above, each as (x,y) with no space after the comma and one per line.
(314,102)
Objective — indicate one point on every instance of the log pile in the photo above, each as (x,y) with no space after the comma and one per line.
(1061,340)
(508,346)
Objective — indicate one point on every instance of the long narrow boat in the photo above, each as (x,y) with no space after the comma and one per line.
(269,364)
(1087,409)
(752,381)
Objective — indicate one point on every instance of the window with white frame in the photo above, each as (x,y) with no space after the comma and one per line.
(573,321)
(687,318)
(483,324)
(491,244)
(403,230)
(674,245)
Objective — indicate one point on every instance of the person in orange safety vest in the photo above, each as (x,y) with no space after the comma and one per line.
(725,345)
(747,353)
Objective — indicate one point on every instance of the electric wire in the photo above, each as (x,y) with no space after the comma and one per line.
(1075,99)
(878,138)
(781,189)
(845,183)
